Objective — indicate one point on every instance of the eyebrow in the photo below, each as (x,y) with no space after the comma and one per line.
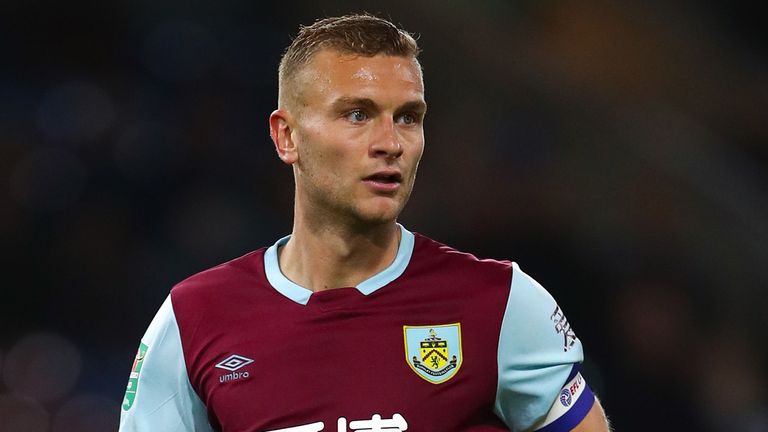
(415,106)
(344,103)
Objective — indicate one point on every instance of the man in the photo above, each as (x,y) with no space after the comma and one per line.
(353,323)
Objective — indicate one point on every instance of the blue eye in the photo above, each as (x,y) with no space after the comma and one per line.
(409,118)
(357,116)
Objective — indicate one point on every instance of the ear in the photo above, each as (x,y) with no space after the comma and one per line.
(280,130)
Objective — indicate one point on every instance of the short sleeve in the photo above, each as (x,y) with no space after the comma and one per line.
(539,385)
(159,396)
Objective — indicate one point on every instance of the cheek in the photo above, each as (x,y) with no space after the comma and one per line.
(322,158)
(420,147)
(415,147)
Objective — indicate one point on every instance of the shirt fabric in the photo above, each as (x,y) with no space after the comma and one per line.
(438,341)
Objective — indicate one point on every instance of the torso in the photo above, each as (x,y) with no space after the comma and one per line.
(343,354)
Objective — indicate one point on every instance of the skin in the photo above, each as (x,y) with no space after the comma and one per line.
(595,420)
(353,117)
(344,118)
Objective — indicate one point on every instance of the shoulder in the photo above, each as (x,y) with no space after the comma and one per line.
(428,253)
(219,290)
(427,247)
(231,274)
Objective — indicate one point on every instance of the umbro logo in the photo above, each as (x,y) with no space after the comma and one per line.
(232,364)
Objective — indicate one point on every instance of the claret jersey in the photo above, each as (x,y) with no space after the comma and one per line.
(438,341)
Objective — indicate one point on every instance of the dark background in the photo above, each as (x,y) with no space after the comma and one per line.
(616,150)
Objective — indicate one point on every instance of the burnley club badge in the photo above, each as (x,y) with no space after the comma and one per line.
(433,352)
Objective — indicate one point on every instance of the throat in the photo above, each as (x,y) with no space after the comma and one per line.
(321,263)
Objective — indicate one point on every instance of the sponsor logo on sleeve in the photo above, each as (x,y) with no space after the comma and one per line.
(563,327)
(133,380)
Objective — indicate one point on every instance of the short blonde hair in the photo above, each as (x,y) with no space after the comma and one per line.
(358,34)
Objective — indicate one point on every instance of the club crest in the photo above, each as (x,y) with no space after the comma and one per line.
(433,352)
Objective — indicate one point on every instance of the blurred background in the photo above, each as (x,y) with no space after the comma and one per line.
(616,150)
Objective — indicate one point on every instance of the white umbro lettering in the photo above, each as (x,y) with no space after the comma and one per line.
(233,363)
(234,376)
(376,424)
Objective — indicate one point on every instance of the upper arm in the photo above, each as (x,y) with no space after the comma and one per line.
(595,420)
(539,383)
(159,395)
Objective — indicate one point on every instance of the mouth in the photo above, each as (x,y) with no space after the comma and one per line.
(384,181)
(385,177)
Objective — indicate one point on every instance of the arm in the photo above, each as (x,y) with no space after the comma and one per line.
(595,421)
(540,386)
(159,396)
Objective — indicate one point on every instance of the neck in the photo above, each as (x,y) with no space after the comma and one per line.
(321,256)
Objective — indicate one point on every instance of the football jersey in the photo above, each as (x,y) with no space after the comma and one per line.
(438,341)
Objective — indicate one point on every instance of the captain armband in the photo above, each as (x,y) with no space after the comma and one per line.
(573,403)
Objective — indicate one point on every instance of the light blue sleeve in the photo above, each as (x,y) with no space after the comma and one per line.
(536,356)
(159,396)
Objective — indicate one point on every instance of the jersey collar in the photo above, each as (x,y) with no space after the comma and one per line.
(301,295)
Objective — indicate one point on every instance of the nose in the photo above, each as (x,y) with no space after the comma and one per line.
(386,142)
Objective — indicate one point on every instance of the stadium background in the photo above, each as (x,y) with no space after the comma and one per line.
(617,150)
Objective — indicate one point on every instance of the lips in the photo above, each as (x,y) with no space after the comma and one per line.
(384,181)
(385,177)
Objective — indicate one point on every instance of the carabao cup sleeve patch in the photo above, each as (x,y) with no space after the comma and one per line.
(133,379)
(159,396)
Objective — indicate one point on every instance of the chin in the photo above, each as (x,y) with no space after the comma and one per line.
(378,218)
(379,215)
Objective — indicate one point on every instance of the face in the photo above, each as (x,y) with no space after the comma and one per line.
(354,136)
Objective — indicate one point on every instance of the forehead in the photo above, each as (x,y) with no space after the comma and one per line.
(331,74)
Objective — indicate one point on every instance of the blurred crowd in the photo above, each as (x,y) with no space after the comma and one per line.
(617,150)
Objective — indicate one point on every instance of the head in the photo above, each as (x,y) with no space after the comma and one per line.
(349,118)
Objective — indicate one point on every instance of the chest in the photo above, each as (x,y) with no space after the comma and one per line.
(345,363)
